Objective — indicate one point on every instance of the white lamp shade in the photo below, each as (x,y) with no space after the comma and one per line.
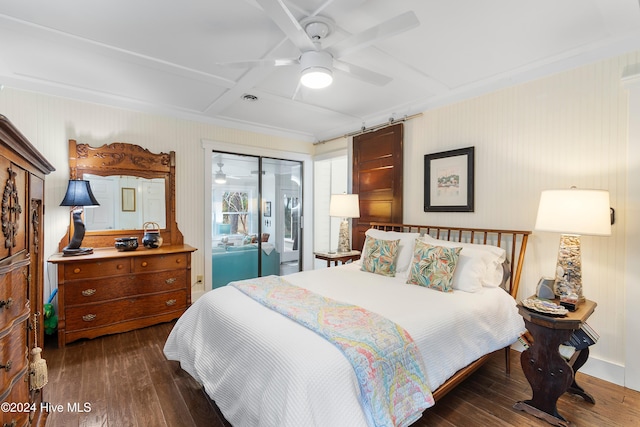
(575,211)
(344,206)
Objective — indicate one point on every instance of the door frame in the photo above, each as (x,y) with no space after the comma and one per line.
(209,146)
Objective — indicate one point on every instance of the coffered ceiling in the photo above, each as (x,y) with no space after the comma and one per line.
(174,58)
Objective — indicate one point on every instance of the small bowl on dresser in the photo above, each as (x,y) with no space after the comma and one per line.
(126,244)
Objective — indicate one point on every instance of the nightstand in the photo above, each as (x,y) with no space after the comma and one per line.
(548,373)
(342,257)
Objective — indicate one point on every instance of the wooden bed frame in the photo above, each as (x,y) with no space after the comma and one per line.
(513,241)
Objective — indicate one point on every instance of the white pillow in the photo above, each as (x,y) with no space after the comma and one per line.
(478,264)
(469,272)
(405,247)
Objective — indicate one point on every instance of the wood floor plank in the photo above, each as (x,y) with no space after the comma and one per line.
(162,375)
(93,393)
(63,387)
(120,410)
(128,382)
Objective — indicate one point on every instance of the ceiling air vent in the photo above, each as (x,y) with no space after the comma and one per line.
(249,98)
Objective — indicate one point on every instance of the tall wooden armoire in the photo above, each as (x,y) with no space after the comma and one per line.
(22,172)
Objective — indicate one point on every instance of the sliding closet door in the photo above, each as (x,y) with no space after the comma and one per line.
(256,217)
(235,218)
(282,199)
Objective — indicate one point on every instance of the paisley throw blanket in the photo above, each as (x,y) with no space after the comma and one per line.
(385,358)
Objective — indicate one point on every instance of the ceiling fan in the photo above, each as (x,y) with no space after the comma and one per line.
(317,64)
(220,177)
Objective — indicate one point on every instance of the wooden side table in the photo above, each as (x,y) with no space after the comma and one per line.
(336,257)
(548,373)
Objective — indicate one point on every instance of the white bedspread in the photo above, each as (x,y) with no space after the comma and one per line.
(263,369)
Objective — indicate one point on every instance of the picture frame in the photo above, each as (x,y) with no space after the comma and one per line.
(267,209)
(128,199)
(449,181)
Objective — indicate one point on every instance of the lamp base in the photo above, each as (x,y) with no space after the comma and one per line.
(76,252)
(569,268)
(344,244)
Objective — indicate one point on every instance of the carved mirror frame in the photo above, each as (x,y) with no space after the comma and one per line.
(120,158)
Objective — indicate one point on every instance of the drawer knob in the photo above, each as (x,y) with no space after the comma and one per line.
(170,280)
(7,366)
(120,266)
(170,302)
(88,292)
(178,260)
(76,270)
(89,317)
(6,304)
(144,263)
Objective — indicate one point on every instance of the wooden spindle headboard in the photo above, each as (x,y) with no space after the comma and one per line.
(513,241)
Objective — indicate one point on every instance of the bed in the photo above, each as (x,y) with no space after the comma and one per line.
(265,369)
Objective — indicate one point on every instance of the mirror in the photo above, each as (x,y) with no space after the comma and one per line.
(126,202)
(133,185)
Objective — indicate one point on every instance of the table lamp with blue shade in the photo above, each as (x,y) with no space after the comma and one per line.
(78,195)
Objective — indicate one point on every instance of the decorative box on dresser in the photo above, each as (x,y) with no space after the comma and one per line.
(111,291)
(22,172)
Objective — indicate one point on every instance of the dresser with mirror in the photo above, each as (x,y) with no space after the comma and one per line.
(113,290)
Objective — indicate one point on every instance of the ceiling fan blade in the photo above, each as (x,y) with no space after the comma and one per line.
(261,63)
(391,27)
(282,16)
(362,73)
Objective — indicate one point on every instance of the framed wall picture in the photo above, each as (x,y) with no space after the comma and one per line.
(448,181)
(128,199)
(267,209)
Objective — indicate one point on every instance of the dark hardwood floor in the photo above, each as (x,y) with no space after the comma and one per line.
(125,380)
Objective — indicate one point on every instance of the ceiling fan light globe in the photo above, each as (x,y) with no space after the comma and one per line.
(316,77)
(220,178)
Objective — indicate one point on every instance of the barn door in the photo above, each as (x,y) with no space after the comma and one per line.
(377,179)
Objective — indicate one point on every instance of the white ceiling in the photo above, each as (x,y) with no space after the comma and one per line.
(165,57)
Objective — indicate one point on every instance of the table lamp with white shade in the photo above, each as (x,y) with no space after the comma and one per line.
(344,206)
(573,212)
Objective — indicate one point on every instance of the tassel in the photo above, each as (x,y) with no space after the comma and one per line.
(39,374)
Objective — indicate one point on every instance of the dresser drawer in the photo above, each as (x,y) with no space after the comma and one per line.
(83,270)
(159,262)
(90,291)
(13,294)
(20,396)
(100,314)
(13,355)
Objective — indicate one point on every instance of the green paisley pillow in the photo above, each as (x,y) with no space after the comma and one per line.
(380,256)
(433,266)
